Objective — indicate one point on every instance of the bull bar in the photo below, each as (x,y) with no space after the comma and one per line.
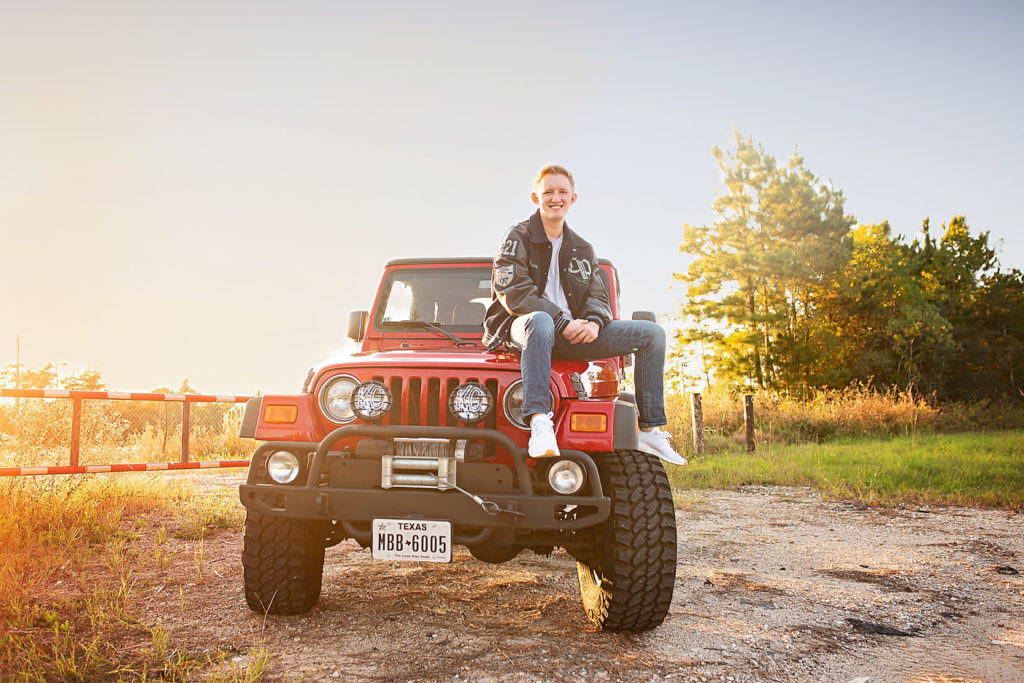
(524,509)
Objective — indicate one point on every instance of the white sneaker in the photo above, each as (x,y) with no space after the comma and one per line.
(656,443)
(542,436)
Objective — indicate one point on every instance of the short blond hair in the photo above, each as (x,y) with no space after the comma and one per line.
(554,169)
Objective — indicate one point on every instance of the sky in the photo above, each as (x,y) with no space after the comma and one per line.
(204,190)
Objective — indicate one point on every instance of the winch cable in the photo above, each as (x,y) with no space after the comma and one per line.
(489,506)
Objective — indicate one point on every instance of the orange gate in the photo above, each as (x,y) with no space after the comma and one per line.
(77,398)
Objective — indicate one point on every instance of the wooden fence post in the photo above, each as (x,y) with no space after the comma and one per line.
(748,421)
(697,413)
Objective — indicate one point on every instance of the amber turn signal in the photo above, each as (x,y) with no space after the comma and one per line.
(281,414)
(588,422)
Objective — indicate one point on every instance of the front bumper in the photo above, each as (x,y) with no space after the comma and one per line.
(516,506)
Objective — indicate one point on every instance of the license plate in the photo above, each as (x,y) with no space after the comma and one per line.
(412,540)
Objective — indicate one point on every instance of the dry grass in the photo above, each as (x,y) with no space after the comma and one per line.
(70,555)
(859,411)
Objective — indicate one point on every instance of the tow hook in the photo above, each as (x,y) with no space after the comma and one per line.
(322,504)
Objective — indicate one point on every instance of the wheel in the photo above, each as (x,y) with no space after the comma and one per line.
(626,580)
(282,563)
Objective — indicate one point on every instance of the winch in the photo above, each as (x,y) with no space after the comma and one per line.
(422,463)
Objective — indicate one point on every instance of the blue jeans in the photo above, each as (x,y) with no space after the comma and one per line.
(534,335)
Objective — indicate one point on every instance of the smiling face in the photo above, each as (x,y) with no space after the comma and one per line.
(554,195)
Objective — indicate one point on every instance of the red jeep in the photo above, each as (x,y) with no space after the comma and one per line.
(417,443)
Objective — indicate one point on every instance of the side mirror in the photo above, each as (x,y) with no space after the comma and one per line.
(645,315)
(357,324)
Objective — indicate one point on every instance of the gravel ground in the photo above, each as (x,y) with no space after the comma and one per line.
(773,584)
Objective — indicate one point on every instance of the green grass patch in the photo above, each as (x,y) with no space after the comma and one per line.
(975,469)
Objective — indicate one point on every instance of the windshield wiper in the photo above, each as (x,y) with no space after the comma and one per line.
(434,327)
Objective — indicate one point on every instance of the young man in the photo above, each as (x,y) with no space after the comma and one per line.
(550,301)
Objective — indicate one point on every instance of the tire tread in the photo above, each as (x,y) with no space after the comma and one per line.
(638,548)
(282,564)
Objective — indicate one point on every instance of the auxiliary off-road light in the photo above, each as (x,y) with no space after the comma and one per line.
(283,467)
(371,400)
(470,402)
(566,477)
(336,399)
(513,404)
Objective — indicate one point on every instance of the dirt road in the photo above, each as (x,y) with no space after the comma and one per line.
(772,584)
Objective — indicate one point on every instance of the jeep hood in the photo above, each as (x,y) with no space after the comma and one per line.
(420,361)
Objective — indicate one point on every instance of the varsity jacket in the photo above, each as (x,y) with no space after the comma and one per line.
(520,273)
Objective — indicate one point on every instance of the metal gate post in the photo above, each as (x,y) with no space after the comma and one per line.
(184,430)
(76,423)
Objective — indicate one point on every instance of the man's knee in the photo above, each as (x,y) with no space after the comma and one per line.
(653,333)
(659,332)
(540,326)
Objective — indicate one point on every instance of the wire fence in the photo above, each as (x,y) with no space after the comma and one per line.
(82,428)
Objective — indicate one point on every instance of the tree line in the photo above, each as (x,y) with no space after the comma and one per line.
(47,422)
(787,292)
(51,376)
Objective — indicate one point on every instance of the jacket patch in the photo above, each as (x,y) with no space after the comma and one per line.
(503,275)
(580,270)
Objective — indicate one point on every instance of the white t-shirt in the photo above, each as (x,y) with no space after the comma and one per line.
(553,289)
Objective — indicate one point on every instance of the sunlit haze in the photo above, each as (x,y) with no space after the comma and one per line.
(205,190)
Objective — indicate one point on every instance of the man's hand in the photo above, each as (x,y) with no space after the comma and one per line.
(581,331)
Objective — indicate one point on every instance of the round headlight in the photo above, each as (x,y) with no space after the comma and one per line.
(371,400)
(283,467)
(336,399)
(513,404)
(566,476)
(470,402)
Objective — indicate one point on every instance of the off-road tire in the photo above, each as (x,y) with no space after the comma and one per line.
(626,582)
(282,563)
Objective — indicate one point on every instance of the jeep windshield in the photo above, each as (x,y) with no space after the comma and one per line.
(452,299)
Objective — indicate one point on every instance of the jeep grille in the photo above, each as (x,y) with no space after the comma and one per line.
(424,401)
